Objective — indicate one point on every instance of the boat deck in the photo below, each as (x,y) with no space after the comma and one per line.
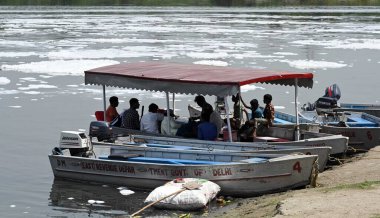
(176,161)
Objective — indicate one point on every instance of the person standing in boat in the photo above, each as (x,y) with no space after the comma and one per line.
(268,110)
(130,117)
(238,110)
(206,129)
(149,121)
(111,112)
(214,116)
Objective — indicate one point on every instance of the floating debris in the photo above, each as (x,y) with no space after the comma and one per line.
(126,192)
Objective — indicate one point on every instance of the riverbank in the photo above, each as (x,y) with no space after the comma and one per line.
(348,190)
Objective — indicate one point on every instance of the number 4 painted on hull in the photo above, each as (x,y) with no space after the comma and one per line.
(297,166)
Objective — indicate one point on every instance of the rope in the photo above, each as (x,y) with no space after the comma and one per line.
(335,159)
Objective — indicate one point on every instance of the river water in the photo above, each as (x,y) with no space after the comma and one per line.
(44,51)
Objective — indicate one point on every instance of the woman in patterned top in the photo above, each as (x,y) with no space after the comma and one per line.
(269,109)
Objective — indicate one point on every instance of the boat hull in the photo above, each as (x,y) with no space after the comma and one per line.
(359,137)
(235,179)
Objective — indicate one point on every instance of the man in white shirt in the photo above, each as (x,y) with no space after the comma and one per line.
(149,121)
(173,125)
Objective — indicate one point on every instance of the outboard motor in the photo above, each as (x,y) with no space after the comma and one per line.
(333,91)
(101,130)
(78,143)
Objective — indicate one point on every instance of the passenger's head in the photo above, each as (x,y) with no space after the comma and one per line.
(134,103)
(114,101)
(200,100)
(153,108)
(236,98)
(254,104)
(267,98)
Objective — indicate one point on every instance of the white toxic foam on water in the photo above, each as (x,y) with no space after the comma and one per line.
(59,67)
(247,88)
(32,93)
(278,107)
(212,62)
(10,43)
(8,92)
(204,55)
(12,205)
(285,53)
(15,106)
(343,44)
(37,86)
(17,54)
(4,81)
(311,64)
(45,76)
(91,201)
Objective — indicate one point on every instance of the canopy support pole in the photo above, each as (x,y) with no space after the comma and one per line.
(173,102)
(104,102)
(297,130)
(228,118)
(168,109)
(240,111)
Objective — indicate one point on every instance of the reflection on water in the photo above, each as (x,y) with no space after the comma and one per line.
(71,198)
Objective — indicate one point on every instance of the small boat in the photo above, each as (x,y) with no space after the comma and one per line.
(257,173)
(145,169)
(373,109)
(362,129)
(168,147)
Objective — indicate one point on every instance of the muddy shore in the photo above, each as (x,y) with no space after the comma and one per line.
(348,190)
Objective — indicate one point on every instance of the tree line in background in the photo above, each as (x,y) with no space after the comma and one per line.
(232,3)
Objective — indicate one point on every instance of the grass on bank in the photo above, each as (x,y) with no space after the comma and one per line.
(362,185)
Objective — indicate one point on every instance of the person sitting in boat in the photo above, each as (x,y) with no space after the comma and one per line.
(151,120)
(206,129)
(174,126)
(130,117)
(207,108)
(256,112)
(111,112)
(268,110)
(248,131)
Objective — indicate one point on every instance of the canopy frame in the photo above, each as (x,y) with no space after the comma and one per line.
(192,79)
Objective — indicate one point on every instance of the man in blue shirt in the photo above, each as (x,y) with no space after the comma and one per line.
(207,130)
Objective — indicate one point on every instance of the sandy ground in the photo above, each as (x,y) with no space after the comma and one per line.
(348,190)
